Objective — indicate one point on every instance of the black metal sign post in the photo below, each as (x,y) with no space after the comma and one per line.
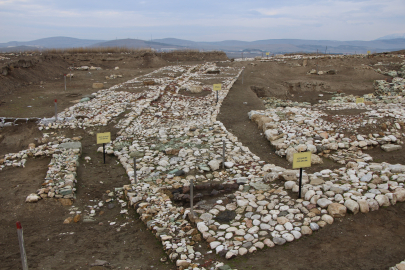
(300,183)
(103,138)
(136,181)
(223,153)
(104,152)
(301,160)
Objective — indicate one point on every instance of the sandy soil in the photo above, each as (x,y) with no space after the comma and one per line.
(372,241)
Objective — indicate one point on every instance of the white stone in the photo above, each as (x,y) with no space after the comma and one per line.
(259,245)
(353,206)
(309,195)
(214,244)
(202,227)
(242,202)
(327,218)
(214,164)
(265,226)
(242,251)
(289,184)
(228,235)
(382,200)
(288,226)
(268,242)
(253,230)
(229,164)
(32,198)
(297,234)
(289,237)
(230,254)
(323,202)
(219,248)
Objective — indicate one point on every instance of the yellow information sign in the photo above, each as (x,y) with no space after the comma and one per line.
(103,137)
(368,52)
(359,100)
(302,160)
(217,87)
(267,53)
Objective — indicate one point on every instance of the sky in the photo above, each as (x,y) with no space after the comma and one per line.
(204,20)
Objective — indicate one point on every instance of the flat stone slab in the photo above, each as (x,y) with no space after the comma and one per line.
(390,147)
(260,186)
(71,145)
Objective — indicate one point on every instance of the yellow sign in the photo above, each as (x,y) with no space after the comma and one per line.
(359,100)
(217,87)
(103,137)
(302,160)
(267,53)
(368,52)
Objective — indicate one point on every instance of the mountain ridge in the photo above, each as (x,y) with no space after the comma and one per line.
(234,46)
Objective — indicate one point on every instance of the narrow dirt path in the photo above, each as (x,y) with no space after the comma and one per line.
(234,115)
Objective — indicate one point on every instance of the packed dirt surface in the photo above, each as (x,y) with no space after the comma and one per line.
(363,241)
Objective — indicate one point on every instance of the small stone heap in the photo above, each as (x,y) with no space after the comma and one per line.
(61,179)
(61,176)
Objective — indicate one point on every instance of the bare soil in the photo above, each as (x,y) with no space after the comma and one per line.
(371,241)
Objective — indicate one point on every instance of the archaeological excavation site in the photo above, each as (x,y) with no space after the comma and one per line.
(187,160)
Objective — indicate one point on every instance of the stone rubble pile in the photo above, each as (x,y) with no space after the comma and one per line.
(272,102)
(85,68)
(292,129)
(392,73)
(60,179)
(285,58)
(9,121)
(396,87)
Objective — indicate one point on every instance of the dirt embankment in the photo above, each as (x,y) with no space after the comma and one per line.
(195,56)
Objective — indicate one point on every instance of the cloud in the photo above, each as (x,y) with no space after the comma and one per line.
(256,19)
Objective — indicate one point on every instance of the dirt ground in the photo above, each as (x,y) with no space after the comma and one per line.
(372,241)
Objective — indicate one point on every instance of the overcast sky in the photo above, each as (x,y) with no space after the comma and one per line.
(204,20)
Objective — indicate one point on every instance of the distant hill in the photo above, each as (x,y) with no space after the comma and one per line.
(231,47)
(53,42)
(293,45)
(138,43)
